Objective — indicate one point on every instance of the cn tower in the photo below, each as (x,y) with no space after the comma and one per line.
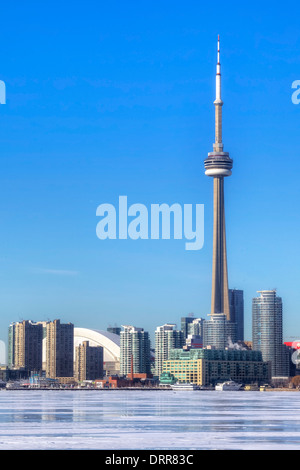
(218,165)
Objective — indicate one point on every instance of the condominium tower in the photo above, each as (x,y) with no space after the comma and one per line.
(166,338)
(88,362)
(134,351)
(267,330)
(60,349)
(25,345)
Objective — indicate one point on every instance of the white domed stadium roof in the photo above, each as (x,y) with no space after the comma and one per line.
(109,341)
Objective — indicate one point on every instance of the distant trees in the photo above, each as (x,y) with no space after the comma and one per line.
(295,381)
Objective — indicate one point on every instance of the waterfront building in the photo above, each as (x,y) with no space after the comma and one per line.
(236,305)
(134,351)
(11,374)
(267,330)
(59,350)
(208,366)
(166,378)
(166,338)
(25,346)
(88,362)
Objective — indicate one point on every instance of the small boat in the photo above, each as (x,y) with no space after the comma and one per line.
(229,386)
(184,387)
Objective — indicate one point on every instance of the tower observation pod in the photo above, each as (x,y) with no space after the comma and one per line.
(218,165)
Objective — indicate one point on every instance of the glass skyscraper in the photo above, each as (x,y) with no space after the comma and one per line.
(236,306)
(267,330)
(219,332)
(185,324)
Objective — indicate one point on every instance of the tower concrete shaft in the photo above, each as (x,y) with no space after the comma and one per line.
(218,165)
(220,296)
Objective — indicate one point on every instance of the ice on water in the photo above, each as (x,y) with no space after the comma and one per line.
(157,420)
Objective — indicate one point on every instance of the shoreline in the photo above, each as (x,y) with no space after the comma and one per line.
(133,389)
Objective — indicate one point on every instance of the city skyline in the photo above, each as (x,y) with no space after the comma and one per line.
(80,134)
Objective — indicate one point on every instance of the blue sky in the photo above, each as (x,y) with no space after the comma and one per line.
(116,98)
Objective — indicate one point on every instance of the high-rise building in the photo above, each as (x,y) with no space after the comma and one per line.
(11,345)
(166,338)
(134,351)
(25,346)
(218,165)
(195,334)
(60,350)
(185,324)
(267,330)
(196,327)
(236,305)
(191,326)
(116,330)
(218,332)
(88,362)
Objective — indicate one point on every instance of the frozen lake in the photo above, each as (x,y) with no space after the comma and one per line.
(165,420)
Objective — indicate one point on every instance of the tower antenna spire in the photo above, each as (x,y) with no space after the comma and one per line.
(218,76)
(218,145)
